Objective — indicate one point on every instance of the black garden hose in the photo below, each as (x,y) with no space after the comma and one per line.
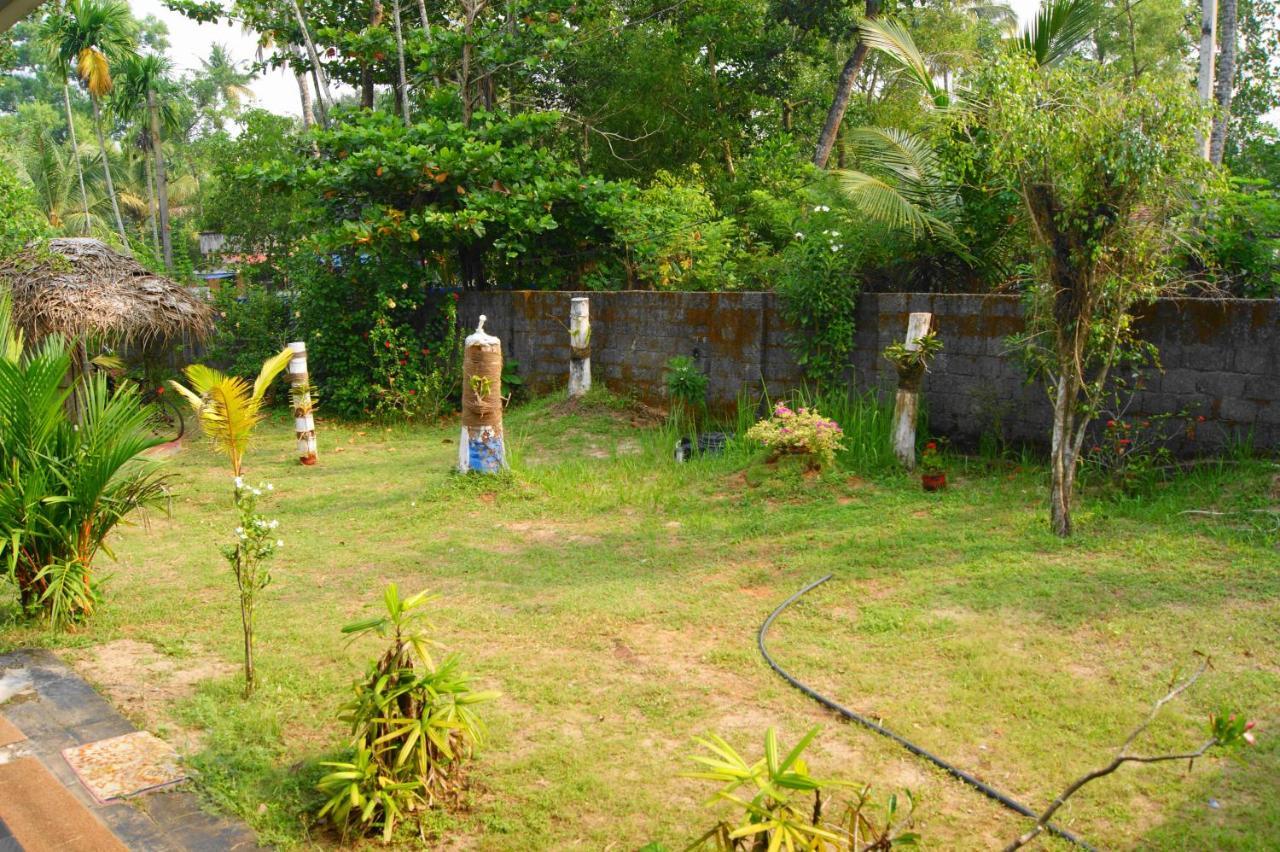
(955,772)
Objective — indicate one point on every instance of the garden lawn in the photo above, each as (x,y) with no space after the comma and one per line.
(613,597)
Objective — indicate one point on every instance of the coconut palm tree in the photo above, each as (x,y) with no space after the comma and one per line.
(142,79)
(90,35)
(53,169)
(221,86)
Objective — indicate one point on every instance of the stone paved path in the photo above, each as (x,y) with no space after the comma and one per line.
(53,709)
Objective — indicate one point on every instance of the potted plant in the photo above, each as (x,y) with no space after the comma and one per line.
(932,475)
(687,389)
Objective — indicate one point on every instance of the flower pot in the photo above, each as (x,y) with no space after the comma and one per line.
(933,481)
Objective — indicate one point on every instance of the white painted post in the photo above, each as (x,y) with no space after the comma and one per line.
(579,347)
(480,445)
(907,402)
(303,408)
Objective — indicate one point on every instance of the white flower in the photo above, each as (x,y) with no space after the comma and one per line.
(239,530)
(822,208)
(239,482)
(257,492)
(279,542)
(799,235)
(270,487)
(273,525)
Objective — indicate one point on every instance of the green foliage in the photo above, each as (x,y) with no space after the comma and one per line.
(687,387)
(413,726)
(249,327)
(65,481)
(18,211)
(787,808)
(914,358)
(256,543)
(818,292)
(414,378)
(1239,240)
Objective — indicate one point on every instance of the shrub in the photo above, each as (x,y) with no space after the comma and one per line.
(1241,239)
(412,726)
(819,289)
(65,482)
(788,809)
(251,327)
(255,545)
(802,432)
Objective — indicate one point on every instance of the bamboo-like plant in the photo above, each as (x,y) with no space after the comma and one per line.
(227,407)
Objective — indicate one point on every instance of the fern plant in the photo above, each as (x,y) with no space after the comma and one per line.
(413,726)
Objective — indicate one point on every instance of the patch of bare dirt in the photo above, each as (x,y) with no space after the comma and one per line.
(547,532)
(143,683)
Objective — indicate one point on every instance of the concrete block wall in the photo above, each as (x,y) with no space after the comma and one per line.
(1221,358)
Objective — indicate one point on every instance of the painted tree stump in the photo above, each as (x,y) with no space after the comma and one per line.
(579,347)
(304,423)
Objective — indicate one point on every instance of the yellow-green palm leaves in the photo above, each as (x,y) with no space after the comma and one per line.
(227,407)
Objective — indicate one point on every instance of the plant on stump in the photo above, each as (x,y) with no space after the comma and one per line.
(228,410)
(65,483)
(412,722)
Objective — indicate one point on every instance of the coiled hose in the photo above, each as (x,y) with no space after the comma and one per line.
(954,771)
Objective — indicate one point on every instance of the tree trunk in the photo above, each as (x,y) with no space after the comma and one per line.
(75,153)
(1204,86)
(1227,42)
(404,79)
(304,95)
(317,70)
(162,183)
(151,207)
(106,170)
(844,91)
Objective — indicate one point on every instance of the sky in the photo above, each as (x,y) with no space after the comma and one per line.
(276,91)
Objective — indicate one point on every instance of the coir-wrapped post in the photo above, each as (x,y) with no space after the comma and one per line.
(579,347)
(480,446)
(303,408)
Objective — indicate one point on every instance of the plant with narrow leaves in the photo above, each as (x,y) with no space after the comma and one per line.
(781,814)
(412,723)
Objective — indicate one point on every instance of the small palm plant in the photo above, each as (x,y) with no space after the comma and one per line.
(228,410)
(227,407)
(65,483)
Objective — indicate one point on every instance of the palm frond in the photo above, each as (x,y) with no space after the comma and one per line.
(883,202)
(272,368)
(1058,29)
(94,70)
(892,39)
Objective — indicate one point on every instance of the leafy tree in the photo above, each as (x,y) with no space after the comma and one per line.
(1103,166)
(22,219)
(143,79)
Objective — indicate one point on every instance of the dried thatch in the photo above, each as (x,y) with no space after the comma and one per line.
(80,287)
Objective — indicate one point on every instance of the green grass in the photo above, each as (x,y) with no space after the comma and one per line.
(613,597)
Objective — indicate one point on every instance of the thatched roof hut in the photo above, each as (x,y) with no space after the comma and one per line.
(82,288)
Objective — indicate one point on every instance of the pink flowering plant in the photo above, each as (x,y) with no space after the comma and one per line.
(803,431)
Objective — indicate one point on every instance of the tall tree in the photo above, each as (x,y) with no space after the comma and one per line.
(91,34)
(142,79)
(844,91)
